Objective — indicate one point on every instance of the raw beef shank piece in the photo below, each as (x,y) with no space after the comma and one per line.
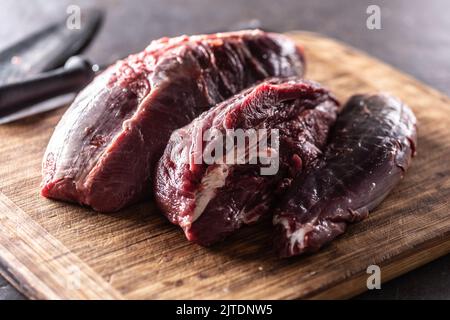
(210,200)
(370,149)
(103,151)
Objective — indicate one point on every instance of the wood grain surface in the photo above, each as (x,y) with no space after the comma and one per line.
(54,250)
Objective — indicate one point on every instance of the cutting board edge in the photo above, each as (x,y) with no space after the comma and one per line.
(399,73)
(404,263)
(40,266)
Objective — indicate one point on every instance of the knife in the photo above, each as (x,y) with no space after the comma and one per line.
(15,97)
(27,74)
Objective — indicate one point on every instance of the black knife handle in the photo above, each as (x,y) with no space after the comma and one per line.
(76,73)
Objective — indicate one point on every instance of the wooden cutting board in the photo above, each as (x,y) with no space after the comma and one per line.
(53,250)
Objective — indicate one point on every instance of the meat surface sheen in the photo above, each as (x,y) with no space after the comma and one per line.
(104,149)
(212,200)
(370,149)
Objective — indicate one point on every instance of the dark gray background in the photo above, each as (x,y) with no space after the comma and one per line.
(415,38)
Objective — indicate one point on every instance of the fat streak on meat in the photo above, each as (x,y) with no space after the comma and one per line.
(211,201)
(370,149)
(103,151)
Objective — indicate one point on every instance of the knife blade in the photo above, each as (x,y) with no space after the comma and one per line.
(48,48)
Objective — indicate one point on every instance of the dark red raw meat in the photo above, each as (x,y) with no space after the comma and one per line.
(370,148)
(103,151)
(211,201)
